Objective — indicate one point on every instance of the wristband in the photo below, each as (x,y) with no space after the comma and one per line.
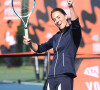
(71,6)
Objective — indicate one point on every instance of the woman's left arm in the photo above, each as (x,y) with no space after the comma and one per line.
(76,28)
(72,11)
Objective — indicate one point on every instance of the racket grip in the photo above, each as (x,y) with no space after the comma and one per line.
(26,33)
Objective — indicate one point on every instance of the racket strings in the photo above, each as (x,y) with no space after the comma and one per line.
(26,7)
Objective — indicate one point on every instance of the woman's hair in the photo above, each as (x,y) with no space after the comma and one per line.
(9,21)
(58,9)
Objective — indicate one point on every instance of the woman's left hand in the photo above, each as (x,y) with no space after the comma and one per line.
(70,3)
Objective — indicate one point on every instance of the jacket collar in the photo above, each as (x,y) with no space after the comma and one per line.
(66,29)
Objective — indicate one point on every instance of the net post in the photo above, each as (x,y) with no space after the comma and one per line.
(37,68)
(45,67)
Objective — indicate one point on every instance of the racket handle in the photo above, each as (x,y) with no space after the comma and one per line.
(26,33)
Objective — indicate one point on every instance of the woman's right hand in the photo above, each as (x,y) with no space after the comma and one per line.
(26,41)
(32,45)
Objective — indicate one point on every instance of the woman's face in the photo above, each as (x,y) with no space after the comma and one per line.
(59,19)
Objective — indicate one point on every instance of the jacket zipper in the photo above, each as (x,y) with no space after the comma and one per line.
(63,59)
(57,53)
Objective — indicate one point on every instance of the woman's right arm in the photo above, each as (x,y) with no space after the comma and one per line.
(39,48)
(33,46)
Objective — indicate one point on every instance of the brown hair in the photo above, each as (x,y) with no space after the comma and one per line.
(58,9)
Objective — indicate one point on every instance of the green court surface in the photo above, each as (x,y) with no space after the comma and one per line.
(23,74)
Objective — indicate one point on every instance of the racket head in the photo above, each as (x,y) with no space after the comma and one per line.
(27,7)
(24,11)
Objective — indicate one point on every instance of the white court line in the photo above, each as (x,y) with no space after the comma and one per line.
(27,83)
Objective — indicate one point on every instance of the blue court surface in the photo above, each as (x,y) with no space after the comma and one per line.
(22,86)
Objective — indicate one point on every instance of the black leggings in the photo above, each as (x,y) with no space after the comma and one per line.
(59,83)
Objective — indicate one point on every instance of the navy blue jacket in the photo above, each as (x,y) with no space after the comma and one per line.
(65,46)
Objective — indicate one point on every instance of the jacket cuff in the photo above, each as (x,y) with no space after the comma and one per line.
(75,21)
(38,51)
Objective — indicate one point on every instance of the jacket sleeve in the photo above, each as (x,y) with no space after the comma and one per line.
(76,32)
(45,46)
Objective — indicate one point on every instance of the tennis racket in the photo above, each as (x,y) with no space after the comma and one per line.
(24,12)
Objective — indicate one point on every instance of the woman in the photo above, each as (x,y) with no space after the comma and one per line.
(65,44)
